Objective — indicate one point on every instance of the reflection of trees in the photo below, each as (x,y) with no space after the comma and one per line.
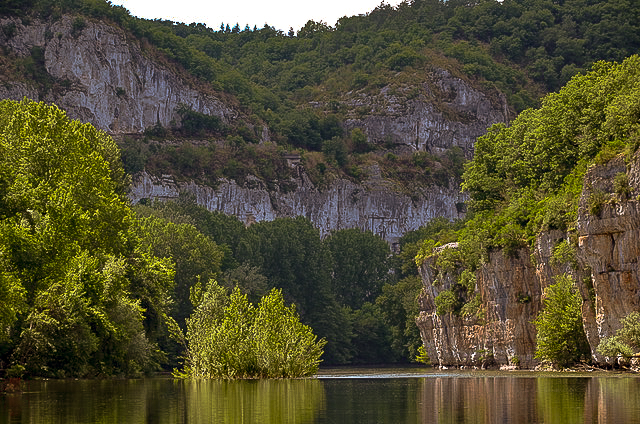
(561,400)
(613,400)
(254,401)
(363,400)
(549,399)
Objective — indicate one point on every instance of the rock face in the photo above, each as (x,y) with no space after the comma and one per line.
(609,248)
(443,112)
(605,268)
(104,77)
(501,333)
(374,205)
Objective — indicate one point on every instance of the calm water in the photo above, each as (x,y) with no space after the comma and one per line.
(336,396)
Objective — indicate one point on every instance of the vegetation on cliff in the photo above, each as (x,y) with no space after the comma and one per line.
(626,342)
(527,178)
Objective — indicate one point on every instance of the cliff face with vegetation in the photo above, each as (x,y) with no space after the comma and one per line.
(375,205)
(605,267)
(433,116)
(98,74)
(576,221)
(609,246)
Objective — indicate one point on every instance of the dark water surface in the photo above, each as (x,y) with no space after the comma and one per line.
(336,396)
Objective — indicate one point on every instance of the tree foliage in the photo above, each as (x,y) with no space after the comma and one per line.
(230,338)
(360,266)
(528,177)
(79,295)
(626,341)
(560,337)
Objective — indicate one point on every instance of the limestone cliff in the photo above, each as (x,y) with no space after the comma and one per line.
(607,247)
(374,205)
(442,112)
(103,76)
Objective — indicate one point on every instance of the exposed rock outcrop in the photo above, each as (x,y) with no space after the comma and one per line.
(605,268)
(609,248)
(440,113)
(375,205)
(103,76)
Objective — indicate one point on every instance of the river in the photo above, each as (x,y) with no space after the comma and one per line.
(356,395)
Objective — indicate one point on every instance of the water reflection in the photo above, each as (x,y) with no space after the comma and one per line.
(552,399)
(343,396)
(164,401)
(259,401)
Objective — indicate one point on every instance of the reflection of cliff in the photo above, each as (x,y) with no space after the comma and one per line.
(523,399)
(605,267)
(388,213)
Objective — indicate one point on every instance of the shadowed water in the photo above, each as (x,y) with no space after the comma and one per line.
(336,396)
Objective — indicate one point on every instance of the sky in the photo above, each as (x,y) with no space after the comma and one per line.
(281,14)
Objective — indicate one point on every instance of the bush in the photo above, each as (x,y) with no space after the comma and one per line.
(446,302)
(596,202)
(561,339)
(228,337)
(621,185)
(564,253)
(626,340)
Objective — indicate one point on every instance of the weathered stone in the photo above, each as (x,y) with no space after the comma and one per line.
(108,79)
(609,248)
(503,333)
(511,288)
(448,112)
(370,206)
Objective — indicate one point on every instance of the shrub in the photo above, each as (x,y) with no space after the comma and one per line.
(446,302)
(621,185)
(228,337)
(626,340)
(473,308)
(596,201)
(564,253)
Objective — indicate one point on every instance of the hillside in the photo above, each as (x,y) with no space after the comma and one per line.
(391,100)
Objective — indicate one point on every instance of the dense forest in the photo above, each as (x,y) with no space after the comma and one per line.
(93,286)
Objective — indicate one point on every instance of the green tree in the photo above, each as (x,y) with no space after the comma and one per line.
(626,341)
(82,298)
(360,265)
(560,339)
(228,337)
(194,255)
(291,255)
